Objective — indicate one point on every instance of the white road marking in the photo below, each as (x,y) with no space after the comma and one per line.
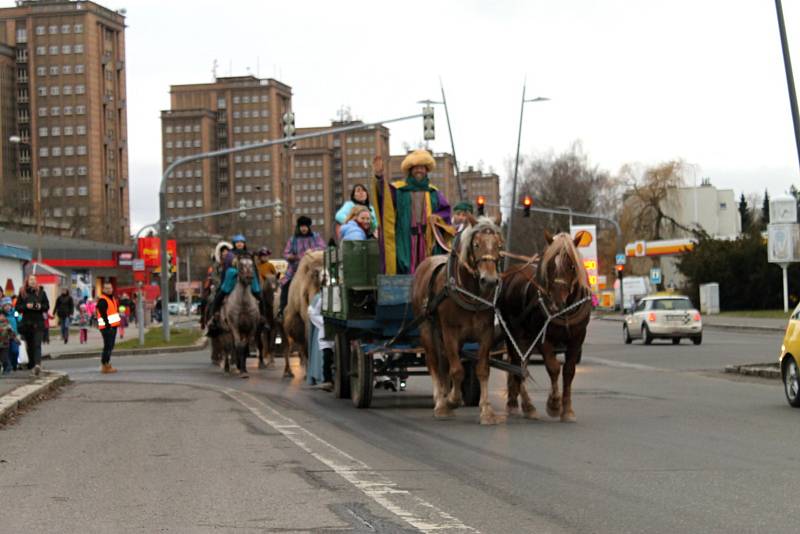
(414,510)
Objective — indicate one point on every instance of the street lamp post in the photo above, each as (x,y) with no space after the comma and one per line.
(516,162)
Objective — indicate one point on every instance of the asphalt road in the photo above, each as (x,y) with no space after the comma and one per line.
(664,442)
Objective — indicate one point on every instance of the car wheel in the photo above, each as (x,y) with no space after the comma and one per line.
(626,334)
(676,340)
(648,337)
(791,381)
(697,339)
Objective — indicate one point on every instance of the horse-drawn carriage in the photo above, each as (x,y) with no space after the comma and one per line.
(368,315)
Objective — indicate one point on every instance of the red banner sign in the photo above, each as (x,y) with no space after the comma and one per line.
(148,249)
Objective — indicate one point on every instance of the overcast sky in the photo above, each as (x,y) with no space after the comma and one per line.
(636,81)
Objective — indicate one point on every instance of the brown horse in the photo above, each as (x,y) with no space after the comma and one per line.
(557,288)
(268,327)
(240,315)
(454,318)
(305,284)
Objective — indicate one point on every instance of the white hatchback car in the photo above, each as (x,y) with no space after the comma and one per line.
(667,316)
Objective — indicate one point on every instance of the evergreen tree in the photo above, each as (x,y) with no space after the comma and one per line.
(746,216)
(765,210)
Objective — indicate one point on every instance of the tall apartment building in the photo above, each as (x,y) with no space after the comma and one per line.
(443,176)
(228,112)
(71,169)
(477,183)
(325,170)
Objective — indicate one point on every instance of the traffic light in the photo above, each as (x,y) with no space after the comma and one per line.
(429,130)
(481,202)
(620,270)
(288,128)
(527,202)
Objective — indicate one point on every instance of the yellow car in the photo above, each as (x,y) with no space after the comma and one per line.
(790,356)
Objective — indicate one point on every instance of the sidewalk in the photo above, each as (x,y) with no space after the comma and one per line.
(725,322)
(22,389)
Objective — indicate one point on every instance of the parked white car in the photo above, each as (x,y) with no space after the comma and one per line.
(664,316)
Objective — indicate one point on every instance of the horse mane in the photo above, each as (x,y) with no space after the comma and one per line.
(481,224)
(562,245)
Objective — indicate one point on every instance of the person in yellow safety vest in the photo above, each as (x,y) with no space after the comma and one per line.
(108,320)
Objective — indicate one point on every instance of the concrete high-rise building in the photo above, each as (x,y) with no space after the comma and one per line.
(228,112)
(477,183)
(325,170)
(71,169)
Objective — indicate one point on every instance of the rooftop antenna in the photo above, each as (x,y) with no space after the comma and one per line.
(214,69)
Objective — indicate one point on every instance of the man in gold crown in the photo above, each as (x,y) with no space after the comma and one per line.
(405,207)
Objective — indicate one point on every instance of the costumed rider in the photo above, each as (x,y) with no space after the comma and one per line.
(303,240)
(229,280)
(405,207)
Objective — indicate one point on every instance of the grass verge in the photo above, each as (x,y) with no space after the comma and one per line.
(758,314)
(153,338)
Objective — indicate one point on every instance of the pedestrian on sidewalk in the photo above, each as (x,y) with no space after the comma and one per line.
(6,336)
(108,320)
(65,308)
(33,305)
(320,350)
(83,323)
(7,309)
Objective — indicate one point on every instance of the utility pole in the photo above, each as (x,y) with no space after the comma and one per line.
(787,64)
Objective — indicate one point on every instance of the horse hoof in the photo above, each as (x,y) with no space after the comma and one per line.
(512,409)
(443,414)
(492,419)
(288,375)
(454,404)
(532,414)
(262,365)
(554,407)
(244,375)
(568,417)
(271,365)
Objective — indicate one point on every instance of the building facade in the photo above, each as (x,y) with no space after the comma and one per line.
(715,210)
(477,183)
(228,112)
(443,176)
(70,101)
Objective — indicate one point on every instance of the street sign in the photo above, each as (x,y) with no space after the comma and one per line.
(138,264)
(620,258)
(655,275)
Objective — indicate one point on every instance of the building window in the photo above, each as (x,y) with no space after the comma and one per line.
(55,90)
(55,151)
(80,89)
(43,131)
(180,203)
(189,204)
(45,192)
(55,111)
(69,171)
(198,203)
(83,190)
(66,49)
(53,50)
(67,90)
(69,192)
(171,204)
(168,129)
(80,110)
(67,110)
(79,69)
(81,129)
(66,69)
(43,152)
(41,50)
(169,144)
(44,172)
(42,90)
(43,112)
(56,212)
(53,70)
(41,71)
(55,130)
(236,99)
(82,171)
(81,150)
(65,28)
(196,128)
(221,103)
(67,129)
(69,150)
(78,28)
(170,189)
(723,205)
(83,211)
(53,30)
(40,30)
(79,49)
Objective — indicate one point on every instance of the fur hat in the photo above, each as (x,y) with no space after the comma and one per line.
(418,157)
(218,250)
(303,221)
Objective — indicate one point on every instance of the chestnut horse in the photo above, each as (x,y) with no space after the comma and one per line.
(306,283)
(557,289)
(265,340)
(453,317)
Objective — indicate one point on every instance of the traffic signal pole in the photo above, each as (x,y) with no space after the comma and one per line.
(163,221)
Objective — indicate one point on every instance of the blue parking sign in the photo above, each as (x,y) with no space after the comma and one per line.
(655,275)
(620,259)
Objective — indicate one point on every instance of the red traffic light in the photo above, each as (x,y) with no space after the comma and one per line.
(527,201)
(481,200)
(619,268)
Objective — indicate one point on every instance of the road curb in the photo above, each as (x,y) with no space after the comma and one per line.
(751,328)
(764,370)
(23,396)
(199,345)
